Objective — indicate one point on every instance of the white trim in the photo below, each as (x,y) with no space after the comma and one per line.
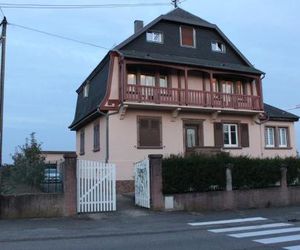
(152,40)
(230,144)
(268,143)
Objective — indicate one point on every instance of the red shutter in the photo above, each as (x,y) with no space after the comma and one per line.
(244,135)
(187,36)
(218,133)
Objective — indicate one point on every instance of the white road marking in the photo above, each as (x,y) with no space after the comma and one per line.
(266,232)
(233,229)
(279,239)
(207,223)
(293,247)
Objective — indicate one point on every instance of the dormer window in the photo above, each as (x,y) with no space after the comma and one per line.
(187,37)
(86,90)
(154,36)
(218,47)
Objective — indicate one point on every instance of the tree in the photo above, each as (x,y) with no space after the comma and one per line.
(29,164)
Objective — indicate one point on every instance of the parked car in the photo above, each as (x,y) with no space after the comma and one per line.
(51,175)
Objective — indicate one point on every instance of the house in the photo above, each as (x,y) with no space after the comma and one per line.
(54,158)
(177,85)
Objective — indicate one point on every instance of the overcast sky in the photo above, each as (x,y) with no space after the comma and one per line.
(43,72)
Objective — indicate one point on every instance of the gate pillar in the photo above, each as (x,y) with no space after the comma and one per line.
(156,186)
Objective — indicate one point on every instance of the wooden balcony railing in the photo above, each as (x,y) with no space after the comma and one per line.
(149,94)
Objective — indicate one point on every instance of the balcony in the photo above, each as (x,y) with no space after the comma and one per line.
(176,96)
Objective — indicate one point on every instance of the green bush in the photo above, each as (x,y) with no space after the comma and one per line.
(255,173)
(193,173)
(198,173)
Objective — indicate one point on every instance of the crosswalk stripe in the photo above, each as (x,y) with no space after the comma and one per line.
(279,239)
(265,232)
(207,223)
(244,228)
(293,247)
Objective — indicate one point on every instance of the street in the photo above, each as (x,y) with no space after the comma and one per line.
(273,228)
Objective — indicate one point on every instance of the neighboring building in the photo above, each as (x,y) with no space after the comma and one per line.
(176,86)
(53,158)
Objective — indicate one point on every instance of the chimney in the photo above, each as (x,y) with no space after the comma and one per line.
(138,25)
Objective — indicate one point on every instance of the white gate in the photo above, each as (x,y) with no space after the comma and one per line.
(142,183)
(96,186)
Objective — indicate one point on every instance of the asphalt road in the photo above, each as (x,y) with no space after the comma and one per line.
(140,229)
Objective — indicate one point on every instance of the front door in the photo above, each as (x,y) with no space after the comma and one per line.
(191,137)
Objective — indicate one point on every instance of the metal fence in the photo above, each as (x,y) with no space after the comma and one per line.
(53,178)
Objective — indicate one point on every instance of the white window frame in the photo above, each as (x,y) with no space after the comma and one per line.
(134,78)
(223,47)
(86,89)
(151,34)
(268,142)
(230,144)
(194,38)
(281,138)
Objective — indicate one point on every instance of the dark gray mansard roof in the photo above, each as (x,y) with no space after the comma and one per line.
(132,48)
(87,106)
(276,114)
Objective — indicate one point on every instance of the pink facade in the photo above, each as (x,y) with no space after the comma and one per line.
(188,102)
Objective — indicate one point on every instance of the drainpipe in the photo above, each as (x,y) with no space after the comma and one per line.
(107,115)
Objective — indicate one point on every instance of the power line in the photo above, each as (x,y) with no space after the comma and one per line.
(2,12)
(58,36)
(77,6)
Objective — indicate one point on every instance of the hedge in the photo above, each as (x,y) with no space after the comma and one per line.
(200,173)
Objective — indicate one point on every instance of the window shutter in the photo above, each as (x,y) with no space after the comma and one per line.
(149,132)
(218,133)
(187,36)
(201,137)
(244,135)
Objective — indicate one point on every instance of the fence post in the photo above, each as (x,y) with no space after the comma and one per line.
(283,181)
(70,188)
(156,186)
(229,167)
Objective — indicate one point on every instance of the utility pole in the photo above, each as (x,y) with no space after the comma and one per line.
(175,3)
(2,74)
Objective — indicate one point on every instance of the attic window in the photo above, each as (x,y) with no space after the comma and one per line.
(154,36)
(187,37)
(218,47)
(86,90)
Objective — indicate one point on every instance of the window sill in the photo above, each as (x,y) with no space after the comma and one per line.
(278,148)
(151,147)
(81,153)
(96,149)
(232,147)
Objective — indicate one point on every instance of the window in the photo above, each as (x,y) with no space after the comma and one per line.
(96,136)
(163,81)
(131,79)
(227,87)
(86,90)
(149,132)
(270,137)
(230,135)
(187,37)
(154,37)
(282,138)
(148,80)
(81,142)
(218,47)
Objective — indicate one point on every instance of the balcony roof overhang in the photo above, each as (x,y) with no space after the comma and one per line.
(191,109)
